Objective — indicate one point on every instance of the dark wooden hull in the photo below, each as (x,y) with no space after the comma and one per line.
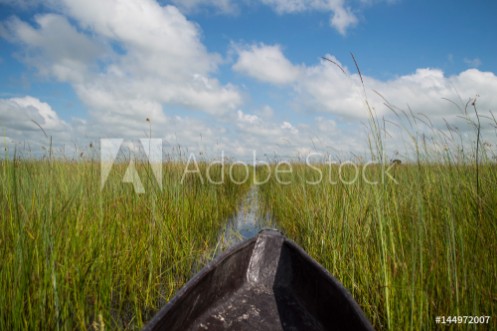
(265,283)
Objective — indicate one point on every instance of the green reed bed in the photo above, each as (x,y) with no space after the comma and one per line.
(75,256)
(414,246)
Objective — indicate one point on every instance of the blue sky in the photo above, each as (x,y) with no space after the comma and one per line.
(239,76)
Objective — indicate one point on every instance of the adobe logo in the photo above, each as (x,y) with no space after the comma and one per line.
(152,150)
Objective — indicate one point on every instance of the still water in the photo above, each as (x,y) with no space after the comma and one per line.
(246,223)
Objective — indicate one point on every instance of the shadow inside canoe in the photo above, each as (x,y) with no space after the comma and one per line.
(309,298)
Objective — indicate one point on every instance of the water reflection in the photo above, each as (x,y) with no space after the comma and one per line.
(246,223)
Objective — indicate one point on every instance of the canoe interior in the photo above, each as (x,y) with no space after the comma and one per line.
(265,283)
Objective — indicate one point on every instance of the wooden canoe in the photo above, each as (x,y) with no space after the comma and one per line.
(265,283)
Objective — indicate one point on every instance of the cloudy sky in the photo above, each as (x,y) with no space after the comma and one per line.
(239,76)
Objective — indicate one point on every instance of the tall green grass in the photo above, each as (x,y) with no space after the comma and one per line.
(409,251)
(73,256)
(413,246)
(417,244)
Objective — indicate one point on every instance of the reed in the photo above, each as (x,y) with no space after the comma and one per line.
(73,256)
(417,244)
(408,252)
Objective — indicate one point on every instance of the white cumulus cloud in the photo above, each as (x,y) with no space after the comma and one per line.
(265,63)
(325,88)
(432,99)
(54,46)
(22,113)
(247,118)
(288,126)
(222,6)
(26,120)
(154,57)
(341,15)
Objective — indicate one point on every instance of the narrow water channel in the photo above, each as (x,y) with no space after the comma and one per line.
(246,223)
(248,220)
